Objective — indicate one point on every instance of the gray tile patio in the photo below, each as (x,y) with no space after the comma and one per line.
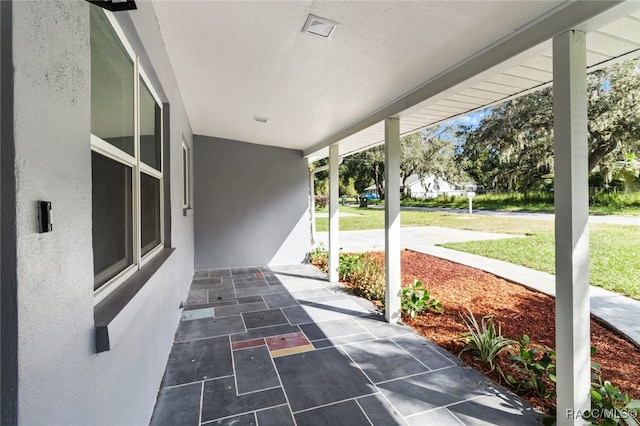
(282,346)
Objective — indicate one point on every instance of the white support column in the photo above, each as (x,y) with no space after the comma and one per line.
(392,218)
(334,222)
(571,226)
(312,206)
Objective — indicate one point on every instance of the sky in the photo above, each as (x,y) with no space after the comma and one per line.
(472,119)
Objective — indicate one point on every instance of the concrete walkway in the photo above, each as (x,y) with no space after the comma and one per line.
(411,237)
(620,312)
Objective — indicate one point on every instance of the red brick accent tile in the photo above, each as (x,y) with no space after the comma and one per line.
(285,341)
(247,344)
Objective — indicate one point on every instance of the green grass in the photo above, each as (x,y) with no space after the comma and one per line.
(374,219)
(600,203)
(614,249)
(539,202)
(613,255)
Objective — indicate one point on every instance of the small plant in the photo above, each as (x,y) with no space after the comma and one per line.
(348,264)
(484,340)
(416,299)
(319,257)
(609,406)
(536,368)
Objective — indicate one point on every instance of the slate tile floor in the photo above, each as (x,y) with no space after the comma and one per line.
(282,346)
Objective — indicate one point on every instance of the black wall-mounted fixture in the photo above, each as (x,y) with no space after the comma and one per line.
(45,223)
(115,5)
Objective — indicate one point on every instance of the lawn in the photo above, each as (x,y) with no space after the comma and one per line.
(613,253)
(374,219)
(601,203)
(614,249)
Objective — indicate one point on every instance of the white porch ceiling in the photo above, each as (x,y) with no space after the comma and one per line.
(424,61)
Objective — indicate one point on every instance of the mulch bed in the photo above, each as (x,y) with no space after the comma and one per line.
(517,309)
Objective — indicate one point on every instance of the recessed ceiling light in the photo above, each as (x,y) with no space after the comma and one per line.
(260,119)
(319,27)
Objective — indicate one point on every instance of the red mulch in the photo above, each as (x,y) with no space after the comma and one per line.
(517,309)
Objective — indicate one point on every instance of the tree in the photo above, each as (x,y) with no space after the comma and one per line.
(628,171)
(425,153)
(365,168)
(430,152)
(413,152)
(513,145)
(439,157)
(320,179)
(614,111)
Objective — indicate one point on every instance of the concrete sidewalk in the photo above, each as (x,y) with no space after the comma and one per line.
(620,312)
(411,237)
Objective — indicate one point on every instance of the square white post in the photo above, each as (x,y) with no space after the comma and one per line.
(571,226)
(312,205)
(334,221)
(392,218)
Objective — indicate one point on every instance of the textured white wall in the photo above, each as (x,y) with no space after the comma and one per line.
(62,381)
(252,204)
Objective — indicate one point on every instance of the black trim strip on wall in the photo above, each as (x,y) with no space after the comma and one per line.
(8,262)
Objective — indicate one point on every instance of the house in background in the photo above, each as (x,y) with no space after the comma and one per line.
(430,187)
(138,146)
(427,187)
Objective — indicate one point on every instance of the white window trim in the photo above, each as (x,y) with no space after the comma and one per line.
(104,148)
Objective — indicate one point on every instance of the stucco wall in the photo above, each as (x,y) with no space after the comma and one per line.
(62,381)
(251,204)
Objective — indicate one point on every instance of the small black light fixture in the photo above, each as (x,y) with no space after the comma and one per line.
(45,223)
(115,5)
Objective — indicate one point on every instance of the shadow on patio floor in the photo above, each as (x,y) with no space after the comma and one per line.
(282,346)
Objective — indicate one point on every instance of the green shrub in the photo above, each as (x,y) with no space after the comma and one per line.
(348,264)
(367,280)
(483,340)
(416,299)
(535,367)
(609,406)
(319,257)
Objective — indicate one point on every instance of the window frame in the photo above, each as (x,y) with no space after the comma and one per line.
(108,150)
(186,176)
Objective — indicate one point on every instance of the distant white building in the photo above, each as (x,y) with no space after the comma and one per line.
(428,187)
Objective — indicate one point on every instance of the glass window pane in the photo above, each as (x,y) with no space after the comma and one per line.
(112,78)
(149,212)
(150,143)
(112,218)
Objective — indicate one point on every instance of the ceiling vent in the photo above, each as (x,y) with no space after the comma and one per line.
(319,27)
(260,119)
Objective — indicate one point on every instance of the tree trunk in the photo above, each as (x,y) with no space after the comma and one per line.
(603,147)
(404,185)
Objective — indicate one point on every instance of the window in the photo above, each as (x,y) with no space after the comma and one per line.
(186,177)
(126,160)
